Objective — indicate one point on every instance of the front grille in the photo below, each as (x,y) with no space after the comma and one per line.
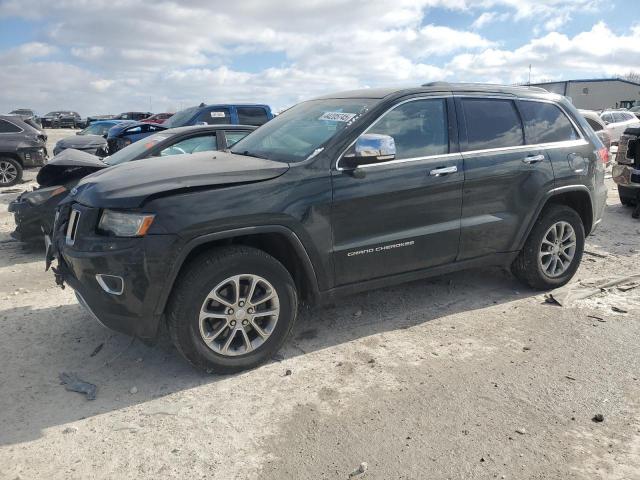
(72,227)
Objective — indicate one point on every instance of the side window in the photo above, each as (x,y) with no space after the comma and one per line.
(593,124)
(606,117)
(234,136)
(618,117)
(8,127)
(491,123)
(252,116)
(204,143)
(545,123)
(217,116)
(419,128)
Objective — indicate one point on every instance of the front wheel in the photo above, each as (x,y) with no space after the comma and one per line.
(553,251)
(232,308)
(10,172)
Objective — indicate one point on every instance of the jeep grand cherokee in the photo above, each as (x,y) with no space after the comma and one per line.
(339,194)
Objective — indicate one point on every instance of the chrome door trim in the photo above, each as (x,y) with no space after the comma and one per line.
(436,172)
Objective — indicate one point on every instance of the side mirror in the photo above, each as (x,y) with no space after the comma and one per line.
(370,148)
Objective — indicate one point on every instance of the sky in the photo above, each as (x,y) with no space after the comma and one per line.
(110,56)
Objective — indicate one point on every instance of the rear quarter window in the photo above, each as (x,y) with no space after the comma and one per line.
(252,116)
(546,123)
(492,123)
(593,124)
(8,127)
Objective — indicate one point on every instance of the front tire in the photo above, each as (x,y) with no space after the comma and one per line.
(10,172)
(553,250)
(232,308)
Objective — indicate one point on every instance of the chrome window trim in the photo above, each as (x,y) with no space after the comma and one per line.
(540,146)
(11,133)
(393,107)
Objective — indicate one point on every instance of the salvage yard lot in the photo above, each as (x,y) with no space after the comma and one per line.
(470,375)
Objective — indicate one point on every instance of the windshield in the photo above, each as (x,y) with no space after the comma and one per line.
(132,151)
(178,119)
(296,133)
(96,129)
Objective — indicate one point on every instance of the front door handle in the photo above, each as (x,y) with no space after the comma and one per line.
(533,159)
(436,172)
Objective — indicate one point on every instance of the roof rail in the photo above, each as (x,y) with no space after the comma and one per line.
(482,85)
(436,84)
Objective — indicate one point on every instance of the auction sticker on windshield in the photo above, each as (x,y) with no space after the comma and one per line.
(217,114)
(337,116)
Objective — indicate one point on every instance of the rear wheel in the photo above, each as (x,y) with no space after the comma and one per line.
(628,196)
(553,251)
(232,309)
(10,172)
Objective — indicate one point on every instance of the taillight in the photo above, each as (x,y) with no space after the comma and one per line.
(603,155)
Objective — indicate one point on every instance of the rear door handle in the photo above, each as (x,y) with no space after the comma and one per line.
(533,159)
(436,172)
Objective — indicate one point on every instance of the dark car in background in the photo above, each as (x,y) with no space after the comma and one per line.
(34,211)
(21,146)
(158,118)
(62,119)
(125,134)
(133,116)
(96,118)
(92,139)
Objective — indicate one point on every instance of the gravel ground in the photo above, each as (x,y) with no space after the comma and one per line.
(466,376)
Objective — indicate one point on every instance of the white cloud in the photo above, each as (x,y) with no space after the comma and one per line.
(103,56)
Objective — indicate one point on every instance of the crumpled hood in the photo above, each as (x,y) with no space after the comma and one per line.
(68,164)
(81,141)
(129,184)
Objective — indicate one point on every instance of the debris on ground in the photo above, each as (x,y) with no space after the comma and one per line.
(595,254)
(287,372)
(360,470)
(568,377)
(97,350)
(133,390)
(618,309)
(567,295)
(72,383)
(598,417)
(69,430)
(521,431)
(595,317)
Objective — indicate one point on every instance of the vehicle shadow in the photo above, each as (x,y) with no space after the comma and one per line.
(39,344)
(618,233)
(13,252)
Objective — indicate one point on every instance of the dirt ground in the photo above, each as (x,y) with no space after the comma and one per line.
(466,376)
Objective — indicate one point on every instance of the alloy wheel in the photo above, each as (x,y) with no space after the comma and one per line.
(557,249)
(8,172)
(239,315)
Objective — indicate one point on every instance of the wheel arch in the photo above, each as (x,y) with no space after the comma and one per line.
(577,197)
(276,240)
(12,156)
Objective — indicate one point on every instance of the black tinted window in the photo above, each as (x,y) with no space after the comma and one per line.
(252,116)
(218,116)
(419,128)
(593,124)
(545,123)
(491,123)
(8,127)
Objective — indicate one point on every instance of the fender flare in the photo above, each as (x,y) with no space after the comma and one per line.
(545,199)
(296,243)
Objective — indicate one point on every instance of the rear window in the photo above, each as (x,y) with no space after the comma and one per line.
(252,116)
(546,123)
(8,127)
(491,123)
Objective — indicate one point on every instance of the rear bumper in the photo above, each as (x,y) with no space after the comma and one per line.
(626,176)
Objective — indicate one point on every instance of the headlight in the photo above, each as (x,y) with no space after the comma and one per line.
(38,197)
(123,224)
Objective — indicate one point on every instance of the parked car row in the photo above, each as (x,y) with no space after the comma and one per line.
(339,194)
(22,145)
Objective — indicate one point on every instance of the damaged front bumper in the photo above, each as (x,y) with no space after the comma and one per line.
(84,262)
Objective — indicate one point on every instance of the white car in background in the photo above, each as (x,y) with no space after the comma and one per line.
(617,122)
(593,119)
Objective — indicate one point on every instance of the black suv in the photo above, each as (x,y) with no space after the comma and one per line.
(340,194)
(22,145)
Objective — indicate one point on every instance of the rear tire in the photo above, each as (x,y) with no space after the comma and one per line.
(10,172)
(222,343)
(626,196)
(535,264)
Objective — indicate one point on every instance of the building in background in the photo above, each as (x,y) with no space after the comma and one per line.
(597,94)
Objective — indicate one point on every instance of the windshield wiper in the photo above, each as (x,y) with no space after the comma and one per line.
(247,153)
